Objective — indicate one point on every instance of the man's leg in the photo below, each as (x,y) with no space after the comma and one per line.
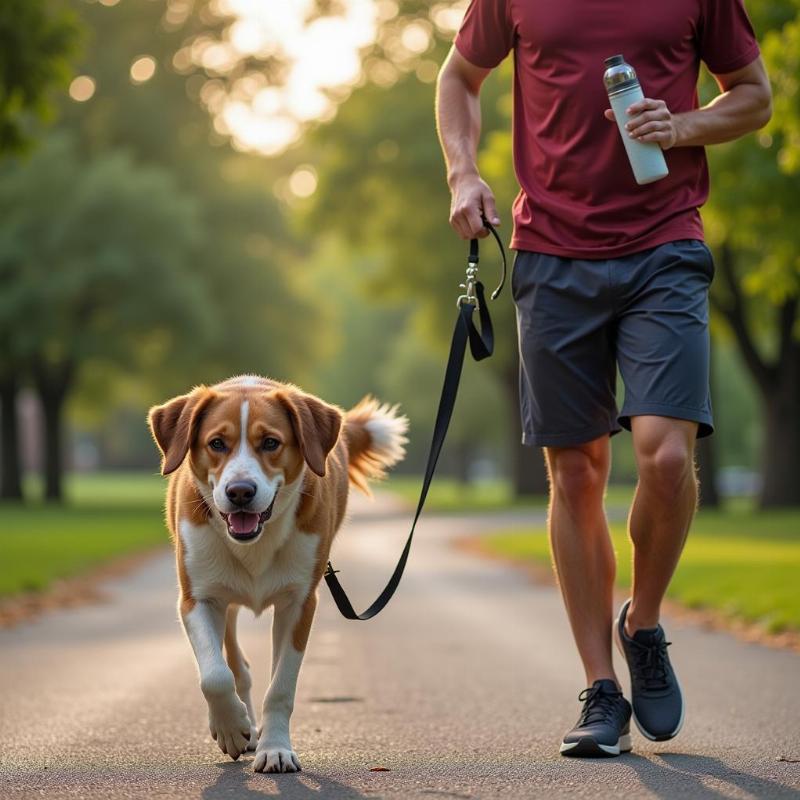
(662,510)
(581,547)
(584,561)
(659,522)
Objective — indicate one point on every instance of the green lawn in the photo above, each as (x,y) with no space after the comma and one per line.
(744,564)
(106,515)
(448,495)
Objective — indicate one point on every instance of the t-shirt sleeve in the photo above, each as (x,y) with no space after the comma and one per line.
(486,34)
(727,39)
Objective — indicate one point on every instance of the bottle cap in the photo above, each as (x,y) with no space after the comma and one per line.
(619,75)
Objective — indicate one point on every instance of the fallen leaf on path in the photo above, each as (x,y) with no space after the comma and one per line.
(379,769)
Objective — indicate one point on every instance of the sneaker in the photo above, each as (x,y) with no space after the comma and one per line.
(604,726)
(655,692)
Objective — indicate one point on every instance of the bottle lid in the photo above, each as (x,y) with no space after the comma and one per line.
(618,75)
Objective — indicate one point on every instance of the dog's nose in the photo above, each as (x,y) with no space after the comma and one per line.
(240,493)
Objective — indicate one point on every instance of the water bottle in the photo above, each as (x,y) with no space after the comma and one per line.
(622,85)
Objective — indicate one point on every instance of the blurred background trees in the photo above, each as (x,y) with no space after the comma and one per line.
(38,39)
(229,187)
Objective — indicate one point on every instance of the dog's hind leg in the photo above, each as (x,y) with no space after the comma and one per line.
(240,667)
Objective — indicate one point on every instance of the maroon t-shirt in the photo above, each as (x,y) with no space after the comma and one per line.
(578,196)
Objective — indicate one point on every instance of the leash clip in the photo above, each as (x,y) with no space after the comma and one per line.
(471,279)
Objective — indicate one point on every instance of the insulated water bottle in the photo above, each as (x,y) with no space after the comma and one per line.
(622,85)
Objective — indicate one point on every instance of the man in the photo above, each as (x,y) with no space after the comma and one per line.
(608,272)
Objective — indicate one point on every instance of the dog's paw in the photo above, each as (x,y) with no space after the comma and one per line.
(230,726)
(276,759)
(253,743)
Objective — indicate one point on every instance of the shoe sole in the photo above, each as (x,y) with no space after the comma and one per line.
(589,748)
(662,737)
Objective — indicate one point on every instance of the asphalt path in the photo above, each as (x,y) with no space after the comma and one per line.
(462,688)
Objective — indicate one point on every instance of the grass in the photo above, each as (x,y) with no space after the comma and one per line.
(448,495)
(744,564)
(105,516)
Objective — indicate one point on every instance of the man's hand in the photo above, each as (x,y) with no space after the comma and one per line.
(471,197)
(650,121)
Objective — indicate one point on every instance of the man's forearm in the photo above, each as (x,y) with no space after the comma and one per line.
(742,109)
(458,121)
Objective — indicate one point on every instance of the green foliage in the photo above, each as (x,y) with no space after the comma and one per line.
(249,261)
(754,202)
(95,256)
(37,40)
(741,564)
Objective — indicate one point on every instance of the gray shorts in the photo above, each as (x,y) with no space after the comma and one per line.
(578,318)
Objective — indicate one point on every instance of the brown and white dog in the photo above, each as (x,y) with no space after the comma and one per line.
(259,478)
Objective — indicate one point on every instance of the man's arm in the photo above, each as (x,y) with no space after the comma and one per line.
(458,120)
(745,105)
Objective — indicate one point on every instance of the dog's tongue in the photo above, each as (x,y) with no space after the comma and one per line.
(243,522)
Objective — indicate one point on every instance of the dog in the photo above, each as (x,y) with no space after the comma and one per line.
(259,479)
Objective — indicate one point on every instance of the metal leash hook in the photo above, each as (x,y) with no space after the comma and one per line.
(471,279)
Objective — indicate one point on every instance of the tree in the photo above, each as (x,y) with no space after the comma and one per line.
(757,241)
(95,257)
(38,40)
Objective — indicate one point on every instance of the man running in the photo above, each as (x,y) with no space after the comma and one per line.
(608,273)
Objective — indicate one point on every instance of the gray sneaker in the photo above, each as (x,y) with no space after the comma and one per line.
(604,726)
(656,696)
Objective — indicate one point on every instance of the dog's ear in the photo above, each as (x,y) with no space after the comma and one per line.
(316,426)
(174,426)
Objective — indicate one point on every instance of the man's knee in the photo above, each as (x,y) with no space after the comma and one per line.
(578,474)
(665,459)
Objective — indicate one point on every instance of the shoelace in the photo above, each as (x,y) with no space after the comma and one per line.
(599,705)
(651,663)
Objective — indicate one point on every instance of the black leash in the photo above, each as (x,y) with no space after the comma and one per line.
(481,345)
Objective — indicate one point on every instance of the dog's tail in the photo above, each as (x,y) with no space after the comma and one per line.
(375,435)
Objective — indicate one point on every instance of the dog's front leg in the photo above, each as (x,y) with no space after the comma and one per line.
(227,715)
(290,631)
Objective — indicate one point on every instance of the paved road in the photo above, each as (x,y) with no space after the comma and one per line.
(461,688)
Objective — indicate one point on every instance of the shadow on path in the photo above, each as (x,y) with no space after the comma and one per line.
(670,775)
(237,781)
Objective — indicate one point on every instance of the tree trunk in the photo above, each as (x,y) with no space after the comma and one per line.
(778,382)
(461,462)
(781,459)
(11,475)
(52,385)
(528,474)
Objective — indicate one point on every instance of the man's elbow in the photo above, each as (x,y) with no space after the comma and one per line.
(763,106)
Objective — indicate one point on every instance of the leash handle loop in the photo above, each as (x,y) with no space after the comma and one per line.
(474,255)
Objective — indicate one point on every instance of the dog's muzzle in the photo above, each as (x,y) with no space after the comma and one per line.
(243,526)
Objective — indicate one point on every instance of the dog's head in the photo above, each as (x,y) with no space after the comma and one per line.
(243,442)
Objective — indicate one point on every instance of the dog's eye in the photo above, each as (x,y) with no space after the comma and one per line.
(218,445)
(270,443)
